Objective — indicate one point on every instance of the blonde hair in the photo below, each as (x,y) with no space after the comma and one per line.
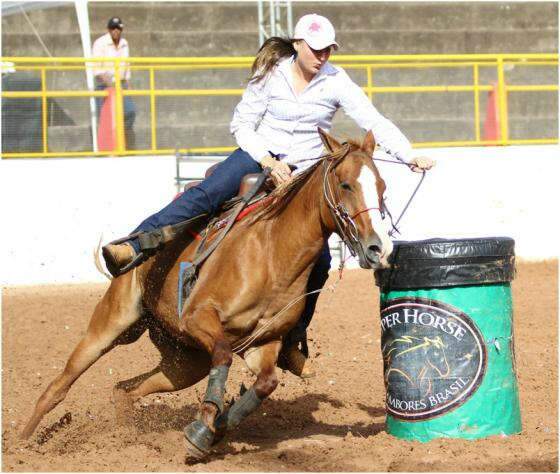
(270,53)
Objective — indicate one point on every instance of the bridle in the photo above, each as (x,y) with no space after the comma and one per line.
(345,223)
(347,229)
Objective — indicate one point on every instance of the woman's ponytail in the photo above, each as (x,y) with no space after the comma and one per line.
(271,52)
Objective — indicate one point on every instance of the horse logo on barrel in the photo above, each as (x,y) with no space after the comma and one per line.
(433,354)
(414,359)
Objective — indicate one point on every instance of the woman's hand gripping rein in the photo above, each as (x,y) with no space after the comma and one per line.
(421,164)
(280,171)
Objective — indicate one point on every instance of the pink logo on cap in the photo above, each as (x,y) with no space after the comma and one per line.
(316,30)
(314,27)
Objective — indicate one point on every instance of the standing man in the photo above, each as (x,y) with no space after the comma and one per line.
(113,45)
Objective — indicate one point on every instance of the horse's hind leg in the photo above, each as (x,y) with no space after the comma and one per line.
(262,362)
(113,318)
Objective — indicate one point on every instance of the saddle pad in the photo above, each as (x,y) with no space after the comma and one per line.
(184,288)
(259,202)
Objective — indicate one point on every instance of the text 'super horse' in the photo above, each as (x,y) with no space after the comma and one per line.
(260,267)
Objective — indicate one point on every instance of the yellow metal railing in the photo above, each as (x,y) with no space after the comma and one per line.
(370,65)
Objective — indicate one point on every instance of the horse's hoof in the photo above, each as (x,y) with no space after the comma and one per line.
(199,439)
(193,454)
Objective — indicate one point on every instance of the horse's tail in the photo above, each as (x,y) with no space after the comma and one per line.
(97,260)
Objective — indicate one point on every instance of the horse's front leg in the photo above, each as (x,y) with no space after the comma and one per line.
(205,327)
(262,362)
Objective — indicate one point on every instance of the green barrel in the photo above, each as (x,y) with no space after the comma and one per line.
(447,339)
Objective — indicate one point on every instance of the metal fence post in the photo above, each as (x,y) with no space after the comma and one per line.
(153,108)
(119,108)
(44,108)
(502,100)
(476,103)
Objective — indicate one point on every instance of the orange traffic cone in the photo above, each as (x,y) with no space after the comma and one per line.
(492,122)
(107,129)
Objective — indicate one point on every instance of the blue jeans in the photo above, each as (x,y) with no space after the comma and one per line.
(208,197)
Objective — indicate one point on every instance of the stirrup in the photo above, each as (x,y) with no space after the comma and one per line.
(129,266)
(139,258)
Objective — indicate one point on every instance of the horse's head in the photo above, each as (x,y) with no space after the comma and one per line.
(435,356)
(354,193)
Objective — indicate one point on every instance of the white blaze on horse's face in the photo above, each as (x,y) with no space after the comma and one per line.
(368,182)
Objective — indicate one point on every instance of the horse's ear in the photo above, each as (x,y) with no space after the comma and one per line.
(329,141)
(369,143)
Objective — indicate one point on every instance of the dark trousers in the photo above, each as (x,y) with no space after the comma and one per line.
(208,196)
(129,113)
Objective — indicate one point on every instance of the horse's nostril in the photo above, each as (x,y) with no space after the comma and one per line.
(374,249)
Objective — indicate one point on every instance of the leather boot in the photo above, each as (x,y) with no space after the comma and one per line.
(118,256)
(292,359)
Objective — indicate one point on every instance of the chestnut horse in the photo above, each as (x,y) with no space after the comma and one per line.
(249,293)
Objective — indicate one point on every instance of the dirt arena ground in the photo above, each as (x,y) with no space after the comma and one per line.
(333,422)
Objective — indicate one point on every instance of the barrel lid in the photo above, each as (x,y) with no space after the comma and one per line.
(448,262)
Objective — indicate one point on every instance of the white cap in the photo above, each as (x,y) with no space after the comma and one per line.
(316,30)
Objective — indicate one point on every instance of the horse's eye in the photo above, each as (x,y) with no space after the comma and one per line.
(346,186)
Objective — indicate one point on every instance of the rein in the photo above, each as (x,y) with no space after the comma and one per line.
(384,209)
(344,223)
(245,343)
(394,224)
(366,210)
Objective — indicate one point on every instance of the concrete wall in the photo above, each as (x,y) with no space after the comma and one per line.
(55,210)
(230,28)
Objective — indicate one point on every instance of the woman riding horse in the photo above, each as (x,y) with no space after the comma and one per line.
(293,91)
(248,295)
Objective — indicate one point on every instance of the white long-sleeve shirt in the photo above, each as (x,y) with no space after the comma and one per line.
(104,47)
(271,117)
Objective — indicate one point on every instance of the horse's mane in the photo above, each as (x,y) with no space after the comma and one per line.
(282,196)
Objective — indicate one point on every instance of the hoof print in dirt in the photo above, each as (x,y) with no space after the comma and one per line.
(50,431)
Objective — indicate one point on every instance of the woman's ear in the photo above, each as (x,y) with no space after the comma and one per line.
(328,140)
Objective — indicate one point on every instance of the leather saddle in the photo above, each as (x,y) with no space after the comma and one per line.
(247,182)
(254,188)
